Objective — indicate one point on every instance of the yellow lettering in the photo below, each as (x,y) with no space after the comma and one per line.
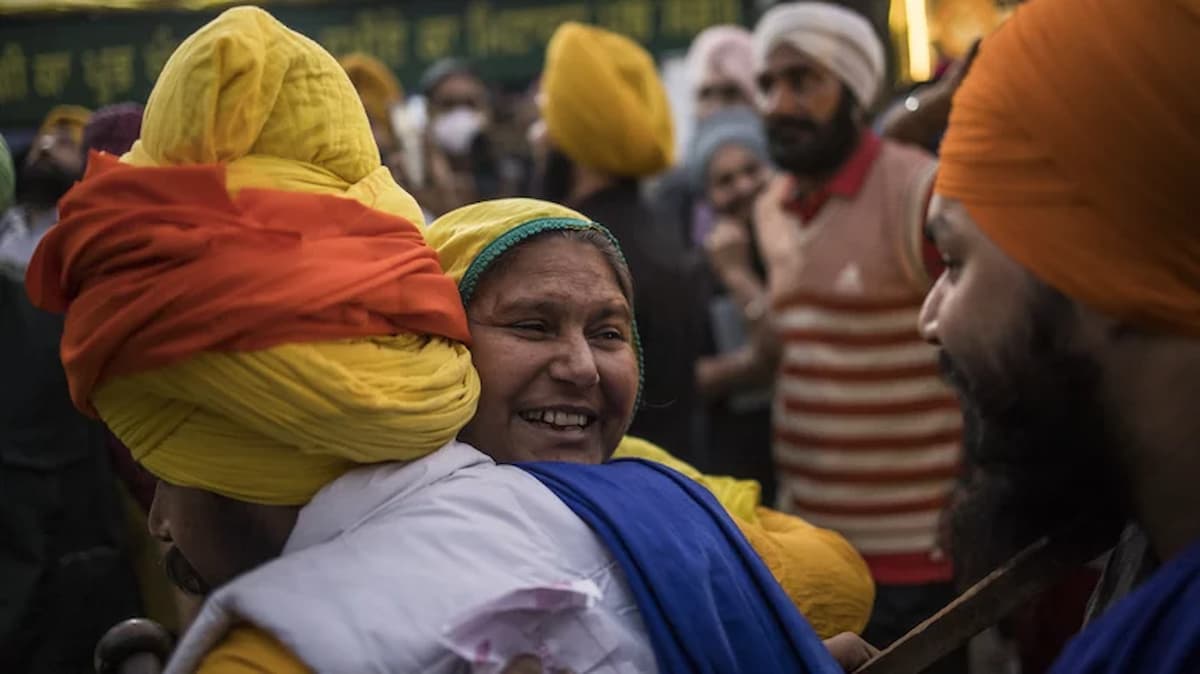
(632,18)
(158,49)
(380,33)
(436,37)
(51,72)
(518,31)
(685,18)
(13,82)
(108,72)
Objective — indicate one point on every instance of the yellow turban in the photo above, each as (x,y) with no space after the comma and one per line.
(604,104)
(376,86)
(274,425)
(73,117)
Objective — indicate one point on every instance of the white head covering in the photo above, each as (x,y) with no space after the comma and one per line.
(725,51)
(839,38)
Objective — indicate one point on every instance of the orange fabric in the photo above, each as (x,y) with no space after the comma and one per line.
(249,650)
(1073,143)
(159,264)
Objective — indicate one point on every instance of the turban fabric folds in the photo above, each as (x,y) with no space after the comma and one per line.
(250,307)
(604,104)
(1072,143)
(838,38)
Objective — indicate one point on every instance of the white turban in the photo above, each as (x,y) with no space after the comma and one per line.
(838,38)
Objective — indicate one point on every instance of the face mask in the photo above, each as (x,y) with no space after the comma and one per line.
(456,130)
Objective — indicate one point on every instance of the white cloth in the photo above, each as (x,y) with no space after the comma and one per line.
(838,38)
(446,564)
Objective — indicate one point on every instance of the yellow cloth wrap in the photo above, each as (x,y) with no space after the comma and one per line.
(249,650)
(822,573)
(276,425)
(74,117)
(461,235)
(271,105)
(604,104)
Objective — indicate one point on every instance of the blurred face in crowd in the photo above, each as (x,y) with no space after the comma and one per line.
(1042,443)
(458,112)
(552,332)
(719,93)
(214,539)
(55,161)
(736,176)
(460,91)
(812,119)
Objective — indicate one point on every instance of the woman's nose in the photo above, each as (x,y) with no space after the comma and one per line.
(575,363)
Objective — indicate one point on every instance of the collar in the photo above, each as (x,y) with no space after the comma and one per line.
(847,182)
(344,503)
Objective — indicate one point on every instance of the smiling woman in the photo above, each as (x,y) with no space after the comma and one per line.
(549,303)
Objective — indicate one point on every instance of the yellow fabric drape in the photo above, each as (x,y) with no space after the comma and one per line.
(274,426)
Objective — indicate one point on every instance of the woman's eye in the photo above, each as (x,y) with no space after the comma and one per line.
(529,327)
(611,334)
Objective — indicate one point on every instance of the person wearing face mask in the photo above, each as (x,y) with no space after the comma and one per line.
(460,156)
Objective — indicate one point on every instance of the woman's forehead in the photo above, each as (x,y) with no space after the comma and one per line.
(552,267)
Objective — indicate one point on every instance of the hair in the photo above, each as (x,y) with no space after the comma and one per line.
(612,254)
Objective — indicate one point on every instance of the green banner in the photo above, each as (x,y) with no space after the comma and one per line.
(95,60)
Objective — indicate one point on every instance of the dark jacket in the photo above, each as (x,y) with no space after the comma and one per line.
(64,577)
(668,310)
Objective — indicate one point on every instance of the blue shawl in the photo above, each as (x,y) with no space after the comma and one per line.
(1155,630)
(707,600)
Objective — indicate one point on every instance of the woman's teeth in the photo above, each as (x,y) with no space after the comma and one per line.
(556,418)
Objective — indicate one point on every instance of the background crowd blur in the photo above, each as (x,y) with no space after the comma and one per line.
(655,119)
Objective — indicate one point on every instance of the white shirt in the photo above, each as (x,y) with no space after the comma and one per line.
(430,566)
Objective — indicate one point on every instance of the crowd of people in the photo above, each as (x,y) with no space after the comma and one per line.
(526,387)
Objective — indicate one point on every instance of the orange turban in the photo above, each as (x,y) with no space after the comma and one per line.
(1073,144)
(159,264)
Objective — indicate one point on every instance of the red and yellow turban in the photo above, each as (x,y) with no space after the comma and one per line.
(1073,144)
(250,304)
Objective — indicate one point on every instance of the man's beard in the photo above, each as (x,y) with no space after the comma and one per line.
(553,183)
(804,148)
(1040,450)
(183,575)
(43,184)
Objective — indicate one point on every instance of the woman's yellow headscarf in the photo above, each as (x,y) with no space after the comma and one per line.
(267,416)
(822,573)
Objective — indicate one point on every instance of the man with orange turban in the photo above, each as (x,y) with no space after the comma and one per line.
(1069,314)
(607,127)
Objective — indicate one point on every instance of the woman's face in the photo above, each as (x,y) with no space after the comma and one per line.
(553,343)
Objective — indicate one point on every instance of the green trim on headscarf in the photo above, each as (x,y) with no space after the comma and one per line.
(523,232)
